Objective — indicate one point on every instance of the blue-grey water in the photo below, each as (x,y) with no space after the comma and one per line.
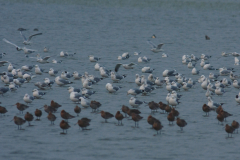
(107,29)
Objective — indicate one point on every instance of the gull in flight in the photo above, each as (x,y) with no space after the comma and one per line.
(157,48)
(27,41)
(126,66)
(26,50)
(41,60)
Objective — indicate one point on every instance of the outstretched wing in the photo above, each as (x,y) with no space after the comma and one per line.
(131,64)
(30,37)
(46,58)
(151,44)
(10,43)
(160,45)
(117,67)
(24,38)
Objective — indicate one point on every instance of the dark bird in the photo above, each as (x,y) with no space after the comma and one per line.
(64,125)
(219,109)
(220,118)
(55,104)
(153,106)
(38,114)
(168,109)
(21,107)
(51,117)
(162,106)
(106,115)
(229,129)
(207,38)
(235,125)
(18,121)
(95,105)
(83,123)
(131,111)
(175,112)
(151,120)
(28,117)
(3,110)
(49,109)
(66,115)
(225,114)
(119,117)
(77,110)
(125,109)
(136,118)
(181,123)
(157,126)
(170,118)
(206,109)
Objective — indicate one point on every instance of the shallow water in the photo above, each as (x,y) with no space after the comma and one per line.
(106,29)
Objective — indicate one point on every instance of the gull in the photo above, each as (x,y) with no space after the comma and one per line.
(3,90)
(176,84)
(76,75)
(190,81)
(140,60)
(43,60)
(27,41)
(65,54)
(191,65)
(6,79)
(138,79)
(169,87)
(20,73)
(126,66)
(195,71)
(208,67)
(159,82)
(94,79)
(41,85)
(134,91)
(46,49)
(26,50)
(112,89)
(65,75)
(55,61)
(62,82)
(201,79)
(235,54)
(104,72)
(225,82)
(72,89)
(27,68)
(168,97)
(213,105)
(87,93)
(219,91)
(203,62)
(211,87)
(28,77)
(19,81)
(164,55)
(38,70)
(10,67)
(147,59)
(224,72)
(52,72)
(151,78)
(173,101)
(167,73)
(134,102)
(203,56)
(208,93)
(12,86)
(186,61)
(218,84)
(137,53)
(37,94)
(236,60)
(155,48)
(97,66)
(213,76)
(236,84)
(75,96)
(205,84)
(194,58)
(124,56)
(116,77)
(27,98)
(93,59)
(237,99)
(147,70)
(84,102)
(2,63)
(176,95)
(224,54)
(49,82)
(87,84)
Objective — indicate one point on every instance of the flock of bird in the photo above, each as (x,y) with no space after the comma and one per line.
(173,81)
